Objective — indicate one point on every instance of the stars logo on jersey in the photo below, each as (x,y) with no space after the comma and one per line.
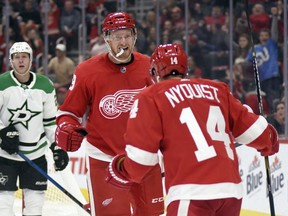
(22,115)
(111,106)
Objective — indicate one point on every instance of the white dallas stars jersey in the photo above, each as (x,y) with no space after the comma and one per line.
(31,109)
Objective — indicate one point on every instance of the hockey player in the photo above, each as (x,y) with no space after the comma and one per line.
(27,124)
(193,123)
(106,85)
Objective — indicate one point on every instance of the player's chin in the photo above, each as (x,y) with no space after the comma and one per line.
(126,54)
(22,70)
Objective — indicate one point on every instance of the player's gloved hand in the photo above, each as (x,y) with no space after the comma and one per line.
(274,141)
(9,139)
(69,136)
(114,176)
(60,157)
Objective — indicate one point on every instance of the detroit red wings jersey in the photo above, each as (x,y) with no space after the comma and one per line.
(190,122)
(108,91)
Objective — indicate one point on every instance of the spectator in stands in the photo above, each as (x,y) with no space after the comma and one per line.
(98,46)
(242,48)
(280,16)
(36,43)
(241,25)
(216,16)
(237,90)
(152,36)
(150,19)
(196,11)
(267,59)
(277,118)
(251,99)
(178,23)
(193,70)
(69,22)
(53,24)
(168,27)
(142,31)
(61,95)
(94,5)
(13,37)
(29,17)
(167,32)
(61,68)
(151,47)
(259,19)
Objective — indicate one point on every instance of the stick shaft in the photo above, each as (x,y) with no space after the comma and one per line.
(35,166)
(260,105)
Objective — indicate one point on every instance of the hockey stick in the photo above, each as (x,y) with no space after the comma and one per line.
(260,105)
(35,166)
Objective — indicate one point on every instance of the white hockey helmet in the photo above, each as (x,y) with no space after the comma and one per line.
(21,47)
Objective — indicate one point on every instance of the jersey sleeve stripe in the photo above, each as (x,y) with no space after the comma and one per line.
(141,156)
(253,132)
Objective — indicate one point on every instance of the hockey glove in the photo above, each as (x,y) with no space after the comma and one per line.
(60,157)
(9,139)
(69,136)
(114,176)
(274,141)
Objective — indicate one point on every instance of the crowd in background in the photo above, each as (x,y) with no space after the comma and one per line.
(208,39)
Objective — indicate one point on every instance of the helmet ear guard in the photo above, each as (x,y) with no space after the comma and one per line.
(168,60)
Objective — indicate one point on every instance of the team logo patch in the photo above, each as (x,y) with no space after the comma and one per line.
(107,201)
(111,106)
(22,115)
(123,69)
(3,179)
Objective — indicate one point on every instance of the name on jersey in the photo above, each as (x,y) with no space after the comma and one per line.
(178,93)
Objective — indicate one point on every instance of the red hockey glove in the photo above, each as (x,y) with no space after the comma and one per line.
(69,136)
(274,141)
(114,176)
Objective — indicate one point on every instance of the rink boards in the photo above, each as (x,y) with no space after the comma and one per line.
(252,171)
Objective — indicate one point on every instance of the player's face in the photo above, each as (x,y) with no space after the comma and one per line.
(21,62)
(121,39)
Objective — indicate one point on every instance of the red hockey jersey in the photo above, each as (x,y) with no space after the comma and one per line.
(194,124)
(107,91)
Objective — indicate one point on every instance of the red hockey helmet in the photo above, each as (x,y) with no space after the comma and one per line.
(117,21)
(168,59)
